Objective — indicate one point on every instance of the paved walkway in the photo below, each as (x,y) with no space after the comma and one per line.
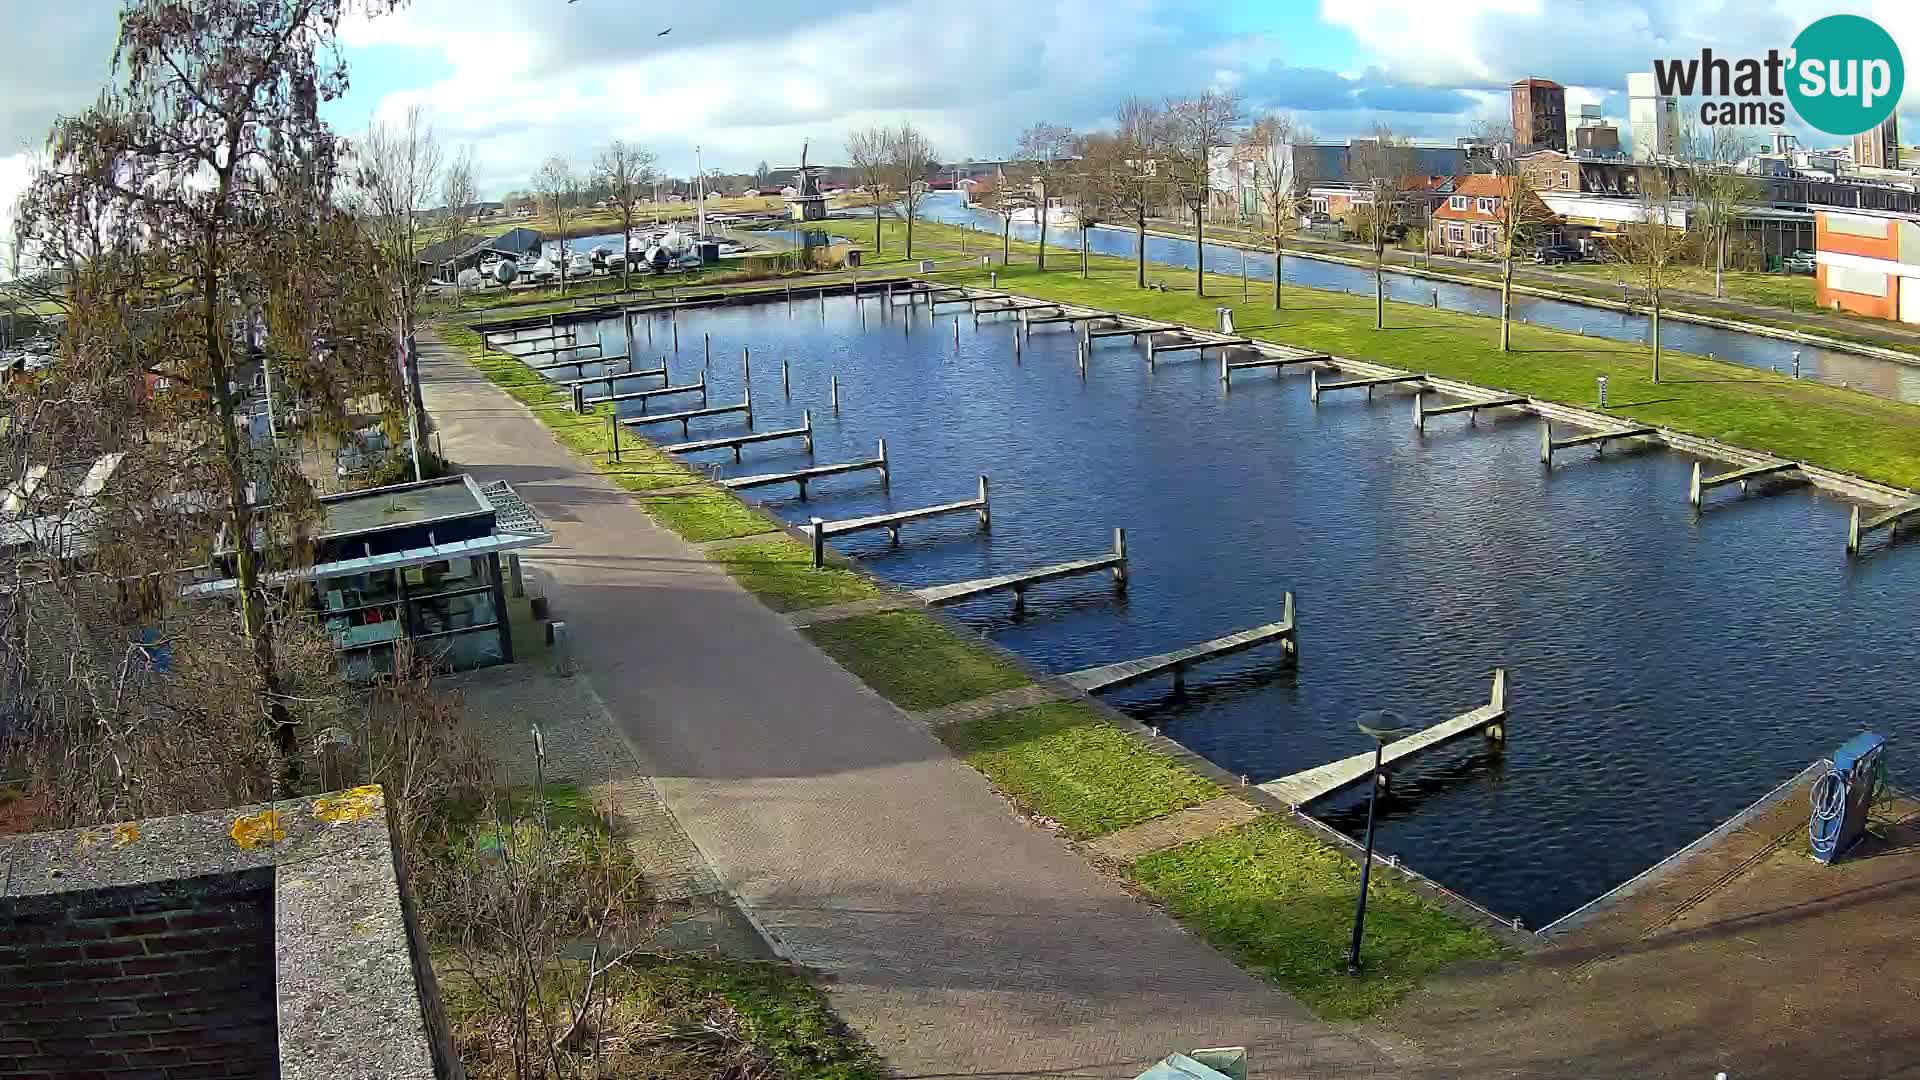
(961,941)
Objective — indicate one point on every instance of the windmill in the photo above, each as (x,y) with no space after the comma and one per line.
(807,204)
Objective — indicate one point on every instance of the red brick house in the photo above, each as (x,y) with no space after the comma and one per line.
(1468,219)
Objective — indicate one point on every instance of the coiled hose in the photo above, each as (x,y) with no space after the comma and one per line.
(1829,799)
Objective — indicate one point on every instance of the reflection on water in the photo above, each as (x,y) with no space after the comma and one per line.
(1666,667)
(1882,377)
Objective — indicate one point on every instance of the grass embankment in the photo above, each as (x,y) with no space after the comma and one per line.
(781,573)
(1281,903)
(1798,419)
(912,660)
(1061,760)
(658,1014)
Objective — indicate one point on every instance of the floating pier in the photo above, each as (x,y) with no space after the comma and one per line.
(522,356)
(581,401)
(689,415)
(1700,485)
(822,529)
(555,365)
(1321,781)
(1019,583)
(1472,408)
(1597,439)
(735,442)
(1316,387)
(1112,676)
(803,476)
(1279,364)
(1857,528)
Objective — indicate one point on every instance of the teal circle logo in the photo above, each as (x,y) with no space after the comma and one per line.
(1846,74)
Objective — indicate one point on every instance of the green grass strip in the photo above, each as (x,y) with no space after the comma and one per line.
(912,660)
(777,1011)
(1063,761)
(1281,903)
(781,573)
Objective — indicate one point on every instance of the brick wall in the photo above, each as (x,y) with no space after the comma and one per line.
(169,981)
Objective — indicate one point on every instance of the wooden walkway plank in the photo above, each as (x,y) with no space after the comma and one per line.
(1111,676)
(555,365)
(554,349)
(803,476)
(687,416)
(735,442)
(1126,331)
(637,373)
(1421,410)
(581,400)
(1308,785)
(1700,485)
(1856,528)
(1598,439)
(1316,387)
(821,529)
(1020,581)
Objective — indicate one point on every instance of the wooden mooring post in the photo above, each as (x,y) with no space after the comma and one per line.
(833,394)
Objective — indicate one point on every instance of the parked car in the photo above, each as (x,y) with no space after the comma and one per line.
(1553,254)
(1800,262)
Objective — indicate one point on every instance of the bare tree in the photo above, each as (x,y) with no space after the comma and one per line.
(872,159)
(1383,164)
(627,173)
(1519,218)
(1142,127)
(1652,247)
(197,208)
(1101,185)
(461,199)
(1044,154)
(1195,128)
(910,158)
(558,189)
(1267,151)
(399,173)
(1720,195)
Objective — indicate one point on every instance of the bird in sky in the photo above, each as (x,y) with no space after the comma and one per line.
(665,32)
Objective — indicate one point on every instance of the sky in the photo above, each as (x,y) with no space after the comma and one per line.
(752,80)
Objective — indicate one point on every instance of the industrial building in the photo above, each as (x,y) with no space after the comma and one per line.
(1540,114)
(1653,118)
(1868,263)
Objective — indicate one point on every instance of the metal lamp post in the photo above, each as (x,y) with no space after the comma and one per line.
(1383,727)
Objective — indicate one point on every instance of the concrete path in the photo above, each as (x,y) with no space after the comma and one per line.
(961,941)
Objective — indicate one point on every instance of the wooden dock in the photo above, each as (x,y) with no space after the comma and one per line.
(803,476)
(555,365)
(1065,317)
(821,529)
(643,396)
(1597,439)
(1112,676)
(522,356)
(1321,781)
(1697,490)
(1019,583)
(630,373)
(687,416)
(1279,364)
(1129,331)
(1857,528)
(1014,307)
(1316,387)
(1472,408)
(965,297)
(1200,345)
(735,442)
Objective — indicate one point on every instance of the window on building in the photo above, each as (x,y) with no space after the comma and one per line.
(1566,179)
(1482,236)
(1456,234)
(1457,202)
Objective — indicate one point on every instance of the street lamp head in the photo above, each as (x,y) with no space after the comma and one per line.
(1384,725)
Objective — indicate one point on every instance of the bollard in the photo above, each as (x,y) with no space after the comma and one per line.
(1796,363)
(815,527)
(993,278)
(1436,298)
(516,582)
(562,647)
(613,426)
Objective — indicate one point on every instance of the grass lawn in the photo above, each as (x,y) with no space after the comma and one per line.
(1807,421)
(781,573)
(912,660)
(1281,903)
(1062,760)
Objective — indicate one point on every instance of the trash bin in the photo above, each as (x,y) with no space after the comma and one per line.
(853,258)
(1226,319)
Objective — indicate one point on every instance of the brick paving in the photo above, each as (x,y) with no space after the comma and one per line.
(958,939)
(979,708)
(1175,829)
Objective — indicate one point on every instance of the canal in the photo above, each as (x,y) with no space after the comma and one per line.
(1872,375)
(1667,667)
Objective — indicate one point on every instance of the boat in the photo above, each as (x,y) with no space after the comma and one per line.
(580,264)
(1058,215)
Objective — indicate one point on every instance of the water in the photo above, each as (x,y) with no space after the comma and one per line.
(1882,377)
(1666,668)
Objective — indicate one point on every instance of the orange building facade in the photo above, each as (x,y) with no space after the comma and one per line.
(1868,264)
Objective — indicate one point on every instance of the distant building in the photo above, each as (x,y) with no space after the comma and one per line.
(1654,119)
(1466,220)
(1868,263)
(1878,147)
(1595,136)
(1540,114)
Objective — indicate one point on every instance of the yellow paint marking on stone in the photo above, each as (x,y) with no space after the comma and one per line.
(348,806)
(85,840)
(125,834)
(257,830)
